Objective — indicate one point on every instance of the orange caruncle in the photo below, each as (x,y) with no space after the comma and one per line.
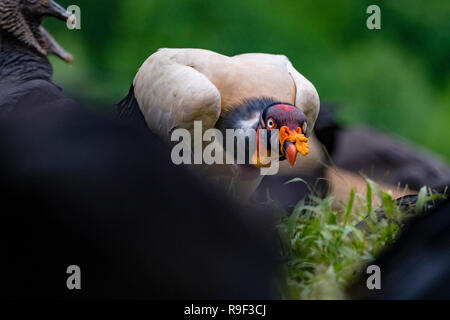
(296,137)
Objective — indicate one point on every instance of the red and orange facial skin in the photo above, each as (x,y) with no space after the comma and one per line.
(299,143)
(291,122)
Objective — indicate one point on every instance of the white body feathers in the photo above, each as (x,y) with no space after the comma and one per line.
(175,87)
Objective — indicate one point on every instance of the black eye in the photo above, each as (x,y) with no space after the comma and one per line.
(271,124)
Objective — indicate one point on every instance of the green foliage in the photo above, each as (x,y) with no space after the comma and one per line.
(326,248)
(396,78)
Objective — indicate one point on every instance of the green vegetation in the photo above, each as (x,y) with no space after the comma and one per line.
(326,248)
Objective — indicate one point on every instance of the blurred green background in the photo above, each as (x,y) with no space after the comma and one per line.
(396,79)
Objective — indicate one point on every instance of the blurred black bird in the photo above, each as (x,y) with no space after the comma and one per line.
(418,265)
(79,188)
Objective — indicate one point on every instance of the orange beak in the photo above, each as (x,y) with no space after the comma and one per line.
(292,142)
(291,153)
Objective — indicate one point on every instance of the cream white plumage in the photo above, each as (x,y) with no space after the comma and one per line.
(175,87)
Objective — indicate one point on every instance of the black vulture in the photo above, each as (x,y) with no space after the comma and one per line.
(25,44)
(363,149)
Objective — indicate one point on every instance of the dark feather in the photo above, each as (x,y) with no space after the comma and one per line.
(418,265)
(129,111)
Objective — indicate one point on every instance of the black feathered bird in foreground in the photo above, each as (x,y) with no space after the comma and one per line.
(75,189)
(78,188)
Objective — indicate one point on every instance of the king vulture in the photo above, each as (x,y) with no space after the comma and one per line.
(175,87)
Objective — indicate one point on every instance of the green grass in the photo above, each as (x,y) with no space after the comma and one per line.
(325,251)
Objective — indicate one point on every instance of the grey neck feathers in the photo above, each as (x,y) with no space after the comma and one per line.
(19,63)
(245,115)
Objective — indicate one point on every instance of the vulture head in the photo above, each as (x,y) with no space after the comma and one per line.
(21,20)
(292,125)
